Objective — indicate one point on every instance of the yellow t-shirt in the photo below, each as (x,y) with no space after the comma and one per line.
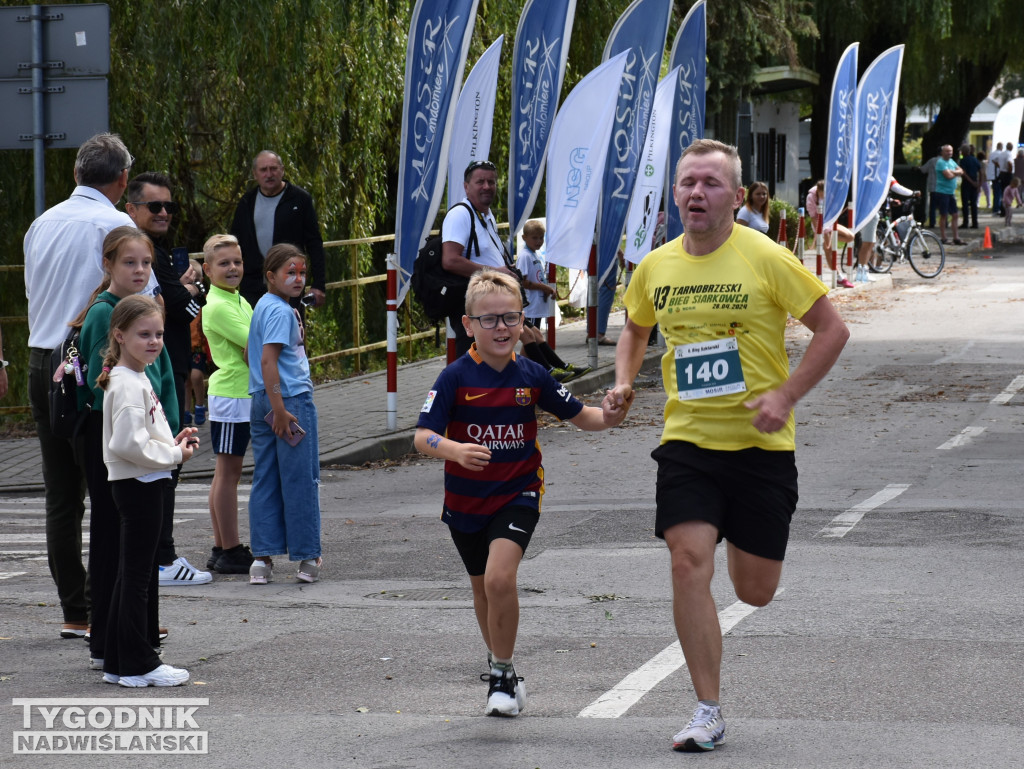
(738,296)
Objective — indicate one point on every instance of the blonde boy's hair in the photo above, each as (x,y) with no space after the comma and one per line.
(487,282)
(215,242)
(533,227)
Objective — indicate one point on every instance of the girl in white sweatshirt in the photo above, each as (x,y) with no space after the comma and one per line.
(139,452)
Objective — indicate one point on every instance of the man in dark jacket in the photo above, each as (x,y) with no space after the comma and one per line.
(276,211)
(151,208)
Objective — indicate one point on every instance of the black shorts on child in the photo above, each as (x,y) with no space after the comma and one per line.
(748,495)
(514,522)
(229,437)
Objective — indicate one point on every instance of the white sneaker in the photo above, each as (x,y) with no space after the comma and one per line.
(506,695)
(181,572)
(111,678)
(705,730)
(164,675)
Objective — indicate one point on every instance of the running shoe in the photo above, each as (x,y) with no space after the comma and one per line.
(200,415)
(506,695)
(211,562)
(705,730)
(578,371)
(74,630)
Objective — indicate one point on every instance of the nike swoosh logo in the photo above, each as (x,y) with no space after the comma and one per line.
(513,527)
(474,397)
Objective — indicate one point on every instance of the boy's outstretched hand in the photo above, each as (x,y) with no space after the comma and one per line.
(472,456)
(615,405)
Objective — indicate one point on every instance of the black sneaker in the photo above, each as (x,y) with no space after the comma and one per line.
(211,562)
(506,695)
(234,560)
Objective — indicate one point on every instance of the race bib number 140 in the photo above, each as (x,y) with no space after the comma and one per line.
(707,369)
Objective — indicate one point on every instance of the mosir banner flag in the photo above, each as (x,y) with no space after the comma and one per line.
(576,160)
(689,55)
(842,124)
(435,58)
(642,29)
(538,68)
(643,208)
(471,132)
(876,133)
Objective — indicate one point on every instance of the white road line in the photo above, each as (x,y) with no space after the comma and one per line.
(1011,390)
(922,290)
(12,539)
(843,522)
(10,574)
(1002,288)
(633,687)
(954,355)
(965,438)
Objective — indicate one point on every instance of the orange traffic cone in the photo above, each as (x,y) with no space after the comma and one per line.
(987,243)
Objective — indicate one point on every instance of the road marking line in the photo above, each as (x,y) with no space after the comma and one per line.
(633,687)
(10,574)
(843,522)
(922,290)
(954,355)
(965,438)
(1002,288)
(1009,392)
(12,539)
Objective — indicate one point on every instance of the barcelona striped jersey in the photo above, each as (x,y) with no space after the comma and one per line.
(473,403)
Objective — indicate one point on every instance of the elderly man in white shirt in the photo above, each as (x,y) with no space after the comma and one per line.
(63,265)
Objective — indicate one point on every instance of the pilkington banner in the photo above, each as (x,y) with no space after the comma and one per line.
(689,55)
(538,68)
(439,34)
(642,29)
(474,117)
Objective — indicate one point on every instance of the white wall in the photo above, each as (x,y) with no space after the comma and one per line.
(784,117)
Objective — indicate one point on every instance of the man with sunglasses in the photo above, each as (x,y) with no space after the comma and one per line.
(63,264)
(277,211)
(151,208)
(471,240)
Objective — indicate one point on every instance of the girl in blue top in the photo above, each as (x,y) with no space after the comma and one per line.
(284,504)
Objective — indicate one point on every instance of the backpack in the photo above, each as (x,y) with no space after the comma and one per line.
(441,293)
(69,370)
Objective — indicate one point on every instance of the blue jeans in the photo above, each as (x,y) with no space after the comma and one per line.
(284,503)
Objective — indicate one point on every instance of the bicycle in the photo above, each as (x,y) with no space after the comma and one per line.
(903,239)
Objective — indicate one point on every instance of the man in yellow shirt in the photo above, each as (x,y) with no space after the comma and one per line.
(726,467)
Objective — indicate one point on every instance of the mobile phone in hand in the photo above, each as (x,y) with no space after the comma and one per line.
(295,434)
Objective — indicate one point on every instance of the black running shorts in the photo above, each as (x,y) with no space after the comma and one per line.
(749,495)
(514,522)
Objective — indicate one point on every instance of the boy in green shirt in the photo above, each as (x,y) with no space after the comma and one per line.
(226,320)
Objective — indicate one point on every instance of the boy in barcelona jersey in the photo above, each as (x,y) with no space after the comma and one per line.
(480,417)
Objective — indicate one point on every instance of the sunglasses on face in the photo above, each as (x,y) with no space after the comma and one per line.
(155,206)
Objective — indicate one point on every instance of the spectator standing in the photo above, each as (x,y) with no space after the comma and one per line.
(929,169)
(63,264)
(1011,196)
(984,178)
(971,185)
(471,240)
(151,207)
(756,205)
(1004,164)
(227,319)
(946,174)
(277,211)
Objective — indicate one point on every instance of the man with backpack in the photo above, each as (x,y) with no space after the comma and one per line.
(470,237)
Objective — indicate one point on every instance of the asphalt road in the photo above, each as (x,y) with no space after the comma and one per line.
(894,642)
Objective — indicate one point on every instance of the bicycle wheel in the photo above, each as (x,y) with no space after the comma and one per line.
(926,253)
(886,249)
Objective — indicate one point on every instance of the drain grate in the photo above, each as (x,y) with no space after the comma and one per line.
(426,594)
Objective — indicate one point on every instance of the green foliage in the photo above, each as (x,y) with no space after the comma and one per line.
(912,151)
